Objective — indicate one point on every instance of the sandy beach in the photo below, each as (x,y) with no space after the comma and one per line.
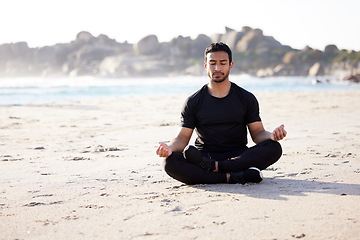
(88,170)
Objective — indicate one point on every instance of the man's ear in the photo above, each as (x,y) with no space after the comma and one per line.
(205,65)
(231,65)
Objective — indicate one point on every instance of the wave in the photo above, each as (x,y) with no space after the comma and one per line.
(32,90)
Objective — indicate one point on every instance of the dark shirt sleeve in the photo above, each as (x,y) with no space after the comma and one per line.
(252,113)
(188,114)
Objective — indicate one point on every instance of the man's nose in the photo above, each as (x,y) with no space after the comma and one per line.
(217,67)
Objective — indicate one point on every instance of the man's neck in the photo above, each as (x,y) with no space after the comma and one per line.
(219,90)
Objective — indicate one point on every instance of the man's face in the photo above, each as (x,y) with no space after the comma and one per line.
(217,66)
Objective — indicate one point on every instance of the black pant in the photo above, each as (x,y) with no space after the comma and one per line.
(261,156)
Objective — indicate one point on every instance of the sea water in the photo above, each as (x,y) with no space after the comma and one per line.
(35,90)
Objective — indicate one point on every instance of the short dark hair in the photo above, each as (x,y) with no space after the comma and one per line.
(217,47)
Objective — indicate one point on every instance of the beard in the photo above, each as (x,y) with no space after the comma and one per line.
(219,79)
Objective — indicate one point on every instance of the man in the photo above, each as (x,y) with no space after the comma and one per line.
(220,112)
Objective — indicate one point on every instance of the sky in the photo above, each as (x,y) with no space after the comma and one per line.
(315,23)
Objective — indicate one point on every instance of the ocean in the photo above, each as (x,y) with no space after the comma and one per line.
(17,91)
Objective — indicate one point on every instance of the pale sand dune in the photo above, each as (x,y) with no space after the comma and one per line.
(88,170)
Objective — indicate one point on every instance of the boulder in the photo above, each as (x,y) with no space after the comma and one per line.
(249,41)
(246,29)
(307,48)
(117,66)
(104,40)
(45,54)
(84,37)
(231,37)
(267,44)
(331,49)
(199,44)
(19,50)
(353,78)
(267,72)
(216,37)
(316,70)
(290,58)
(181,46)
(280,70)
(148,45)
(89,54)
(255,54)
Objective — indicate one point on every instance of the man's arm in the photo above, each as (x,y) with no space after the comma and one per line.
(177,144)
(259,134)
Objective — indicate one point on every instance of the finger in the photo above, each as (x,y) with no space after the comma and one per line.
(164,151)
(281,133)
(277,134)
(160,150)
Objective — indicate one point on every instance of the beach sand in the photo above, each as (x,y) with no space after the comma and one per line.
(88,170)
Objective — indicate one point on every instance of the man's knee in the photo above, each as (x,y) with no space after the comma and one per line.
(171,163)
(174,167)
(276,146)
(272,149)
(275,149)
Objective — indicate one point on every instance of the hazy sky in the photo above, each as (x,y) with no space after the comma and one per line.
(316,23)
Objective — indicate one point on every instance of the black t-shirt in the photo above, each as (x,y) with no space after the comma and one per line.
(220,122)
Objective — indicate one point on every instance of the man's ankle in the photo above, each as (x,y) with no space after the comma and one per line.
(216,167)
(193,155)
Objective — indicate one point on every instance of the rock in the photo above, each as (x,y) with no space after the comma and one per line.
(148,45)
(280,70)
(45,54)
(253,40)
(246,29)
(316,81)
(290,58)
(316,70)
(117,66)
(307,48)
(331,49)
(267,44)
(14,50)
(249,41)
(90,53)
(216,37)
(84,37)
(353,78)
(105,40)
(254,54)
(181,46)
(267,72)
(228,30)
(199,44)
(231,37)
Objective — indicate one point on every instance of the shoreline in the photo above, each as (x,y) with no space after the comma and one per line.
(53,90)
(87,169)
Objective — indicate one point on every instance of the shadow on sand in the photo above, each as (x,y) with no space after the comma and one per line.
(280,188)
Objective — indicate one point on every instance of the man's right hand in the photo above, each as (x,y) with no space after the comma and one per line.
(163,150)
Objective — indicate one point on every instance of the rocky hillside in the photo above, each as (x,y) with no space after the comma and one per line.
(101,56)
